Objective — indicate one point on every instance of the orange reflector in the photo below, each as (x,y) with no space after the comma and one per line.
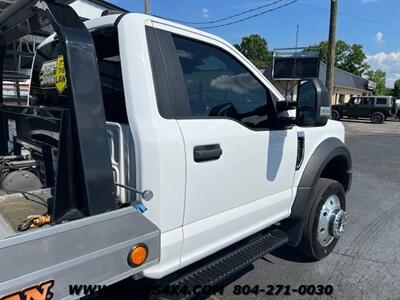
(137,255)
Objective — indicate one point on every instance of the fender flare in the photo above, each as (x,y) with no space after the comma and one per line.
(323,154)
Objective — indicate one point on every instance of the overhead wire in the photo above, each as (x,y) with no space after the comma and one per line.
(251,16)
(229,17)
(351,16)
(235,15)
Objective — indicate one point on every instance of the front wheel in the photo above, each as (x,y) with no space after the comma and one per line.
(335,115)
(326,221)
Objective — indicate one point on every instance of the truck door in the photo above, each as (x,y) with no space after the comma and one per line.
(239,170)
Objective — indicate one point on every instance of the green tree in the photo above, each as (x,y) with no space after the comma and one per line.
(341,49)
(354,60)
(396,89)
(350,58)
(255,48)
(379,77)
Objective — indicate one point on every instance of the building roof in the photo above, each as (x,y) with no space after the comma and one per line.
(343,78)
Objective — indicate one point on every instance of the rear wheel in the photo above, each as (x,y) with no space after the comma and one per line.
(398,115)
(377,118)
(326,221)
(335,115)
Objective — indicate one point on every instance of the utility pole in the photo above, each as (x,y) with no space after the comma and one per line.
(331,48)
(295,57)
(295,51)
(146,7)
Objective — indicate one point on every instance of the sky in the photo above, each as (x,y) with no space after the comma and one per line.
(373,23)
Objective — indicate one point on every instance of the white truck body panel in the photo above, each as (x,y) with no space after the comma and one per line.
(216,232)
(159,144)
(314,136)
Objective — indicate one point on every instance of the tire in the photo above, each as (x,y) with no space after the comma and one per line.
(398,115)
(377,118)
(335,115)
(313,244)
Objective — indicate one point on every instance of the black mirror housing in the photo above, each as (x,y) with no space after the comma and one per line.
(313,104)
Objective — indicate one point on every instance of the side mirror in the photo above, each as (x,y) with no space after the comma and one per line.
(313,105)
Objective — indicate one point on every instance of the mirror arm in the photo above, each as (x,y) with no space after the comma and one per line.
(291,104)
(287,121)
(285,105)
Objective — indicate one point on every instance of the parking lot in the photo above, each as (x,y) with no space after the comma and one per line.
(366,261)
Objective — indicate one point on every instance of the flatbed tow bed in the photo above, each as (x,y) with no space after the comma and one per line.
(93,249)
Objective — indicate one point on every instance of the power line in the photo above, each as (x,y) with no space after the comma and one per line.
(250,17)
(235,15)
(232,16)
(351,16)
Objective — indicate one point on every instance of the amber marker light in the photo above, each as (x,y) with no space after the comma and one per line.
(138,255)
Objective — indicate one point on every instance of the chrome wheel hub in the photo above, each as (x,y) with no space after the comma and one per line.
(338,223)
(332,220)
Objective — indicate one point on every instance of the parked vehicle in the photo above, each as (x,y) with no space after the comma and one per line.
(398,108)
(378,108)
(134,102)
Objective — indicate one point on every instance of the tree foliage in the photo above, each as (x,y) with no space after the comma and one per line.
(396,89)
(255,48)
(350,58)
(379,77)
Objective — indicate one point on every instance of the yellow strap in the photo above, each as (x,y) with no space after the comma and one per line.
(39,221)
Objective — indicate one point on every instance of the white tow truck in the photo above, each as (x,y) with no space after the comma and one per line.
(211,168)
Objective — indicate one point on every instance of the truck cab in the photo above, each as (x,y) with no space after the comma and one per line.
(223,153)
(189,119)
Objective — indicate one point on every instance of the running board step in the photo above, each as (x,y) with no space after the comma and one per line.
(219,269)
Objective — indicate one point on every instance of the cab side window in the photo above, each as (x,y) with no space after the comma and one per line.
(107,50)
(381,101)
(220,86)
